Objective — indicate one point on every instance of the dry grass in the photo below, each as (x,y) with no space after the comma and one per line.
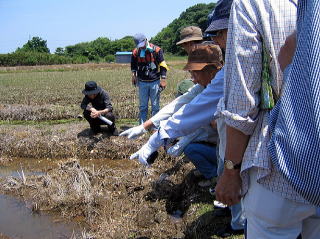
(43,95)
(60,142)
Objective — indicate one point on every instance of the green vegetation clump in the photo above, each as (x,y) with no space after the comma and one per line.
(100,48)
(36,52)
(36,58)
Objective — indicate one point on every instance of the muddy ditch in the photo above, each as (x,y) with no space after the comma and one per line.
(89,180)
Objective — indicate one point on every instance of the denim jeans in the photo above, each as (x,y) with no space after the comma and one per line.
(148,90)
(203,157)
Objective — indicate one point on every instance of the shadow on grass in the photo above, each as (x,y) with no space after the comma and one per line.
(92,138)
(179,197)
(206,226)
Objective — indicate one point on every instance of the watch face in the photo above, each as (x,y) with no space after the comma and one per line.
(228,164)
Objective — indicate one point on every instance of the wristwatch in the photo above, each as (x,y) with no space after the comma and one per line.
(228,164)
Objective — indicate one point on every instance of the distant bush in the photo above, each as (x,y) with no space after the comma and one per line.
(36,58)
(110,58)
(99,49)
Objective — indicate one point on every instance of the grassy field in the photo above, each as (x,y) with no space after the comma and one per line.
(55,94)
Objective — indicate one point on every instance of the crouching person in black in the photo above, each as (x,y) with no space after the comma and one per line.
(97,108)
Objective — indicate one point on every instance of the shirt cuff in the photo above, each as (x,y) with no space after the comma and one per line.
(244,124)
(155,122)
(162,133)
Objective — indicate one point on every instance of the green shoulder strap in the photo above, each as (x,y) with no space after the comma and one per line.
(267,94)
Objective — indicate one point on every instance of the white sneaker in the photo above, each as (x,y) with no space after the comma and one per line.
(219,204)
(204,183)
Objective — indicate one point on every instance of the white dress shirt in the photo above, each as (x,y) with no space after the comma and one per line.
(176,104)
(198,113)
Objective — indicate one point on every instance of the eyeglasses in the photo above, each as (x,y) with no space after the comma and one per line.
(218,33)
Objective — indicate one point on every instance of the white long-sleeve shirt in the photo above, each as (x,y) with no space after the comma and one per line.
(168,110)
(198,113)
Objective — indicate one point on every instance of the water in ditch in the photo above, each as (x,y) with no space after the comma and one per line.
(18,221)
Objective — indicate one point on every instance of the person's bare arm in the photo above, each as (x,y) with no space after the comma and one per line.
(229,184)
(148,125)
(287,51)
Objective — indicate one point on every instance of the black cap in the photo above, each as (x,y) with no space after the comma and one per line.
(91,88)
(218,19)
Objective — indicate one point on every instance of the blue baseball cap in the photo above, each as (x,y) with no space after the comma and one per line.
(140,40)
(218,19)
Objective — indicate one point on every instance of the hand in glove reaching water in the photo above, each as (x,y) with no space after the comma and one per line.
(147,150)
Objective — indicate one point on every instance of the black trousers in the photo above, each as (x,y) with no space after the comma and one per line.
(95,123)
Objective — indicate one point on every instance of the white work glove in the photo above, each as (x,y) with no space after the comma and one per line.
(134,132)
(151,146)
(177,149)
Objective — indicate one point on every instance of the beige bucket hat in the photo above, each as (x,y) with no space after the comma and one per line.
(191,33)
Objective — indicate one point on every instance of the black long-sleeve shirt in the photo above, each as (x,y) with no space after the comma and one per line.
(100,102)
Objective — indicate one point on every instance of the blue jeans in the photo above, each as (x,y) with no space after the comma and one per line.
(148,90)
(203,157)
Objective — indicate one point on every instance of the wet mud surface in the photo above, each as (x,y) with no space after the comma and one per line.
(89,180)
(18,221)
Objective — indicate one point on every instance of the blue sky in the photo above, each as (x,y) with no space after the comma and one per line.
(67,22)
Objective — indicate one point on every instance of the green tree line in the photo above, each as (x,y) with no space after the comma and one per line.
(36,52)
(196,15)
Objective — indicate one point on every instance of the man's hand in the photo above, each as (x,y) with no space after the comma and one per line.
(134,80)
(287,51)
(228,187)
(213,124)
(94,113)
(143,154)
(134,132)
(163,83)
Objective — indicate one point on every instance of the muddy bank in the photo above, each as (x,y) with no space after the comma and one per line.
(73,140)
(91,180)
